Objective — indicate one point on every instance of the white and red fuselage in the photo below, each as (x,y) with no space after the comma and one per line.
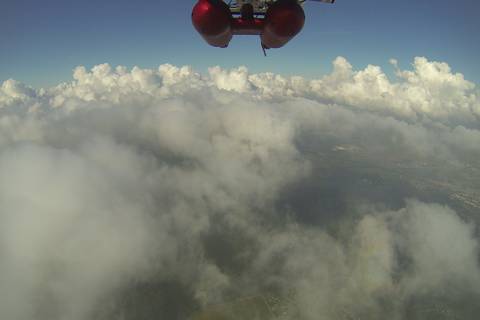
(276,22)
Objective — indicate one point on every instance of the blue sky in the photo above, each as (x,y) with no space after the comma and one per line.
(43,40)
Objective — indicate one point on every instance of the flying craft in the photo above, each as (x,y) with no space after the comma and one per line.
(275,21)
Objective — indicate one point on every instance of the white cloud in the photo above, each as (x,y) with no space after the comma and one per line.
(364,273)
(435,236)
(202,189)
(428,92)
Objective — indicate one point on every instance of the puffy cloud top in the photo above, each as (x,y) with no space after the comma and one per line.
(429,92)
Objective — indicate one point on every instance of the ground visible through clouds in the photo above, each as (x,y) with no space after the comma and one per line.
(166,194)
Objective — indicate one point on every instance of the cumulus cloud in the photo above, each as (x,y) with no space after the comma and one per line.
(139,194)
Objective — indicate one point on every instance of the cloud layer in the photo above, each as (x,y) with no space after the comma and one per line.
(140,194)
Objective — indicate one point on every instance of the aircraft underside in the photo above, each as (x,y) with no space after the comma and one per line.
(275,22)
